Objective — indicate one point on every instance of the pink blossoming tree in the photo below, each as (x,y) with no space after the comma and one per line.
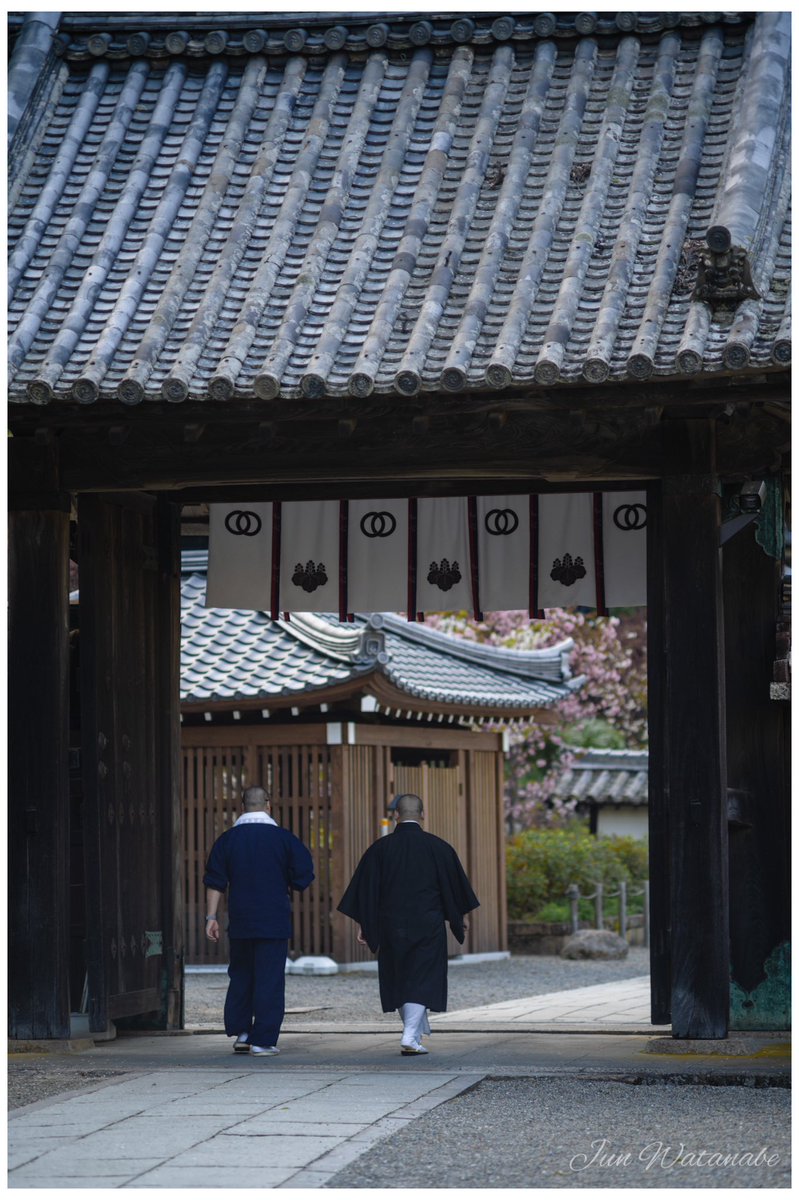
(608,710)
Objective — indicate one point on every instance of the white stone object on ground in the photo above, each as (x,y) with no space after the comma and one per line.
(312,964)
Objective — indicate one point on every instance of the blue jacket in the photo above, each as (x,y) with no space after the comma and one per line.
(258,863)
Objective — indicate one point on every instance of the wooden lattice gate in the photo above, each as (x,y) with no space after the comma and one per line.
(295,766)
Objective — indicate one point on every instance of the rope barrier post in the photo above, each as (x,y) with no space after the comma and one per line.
(622,909)
(573,892)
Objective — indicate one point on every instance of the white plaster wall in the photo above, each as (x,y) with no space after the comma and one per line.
(626,822)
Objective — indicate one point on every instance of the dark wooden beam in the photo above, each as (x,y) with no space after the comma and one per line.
(694,748)
(376,489)
(38,748)
(553,446)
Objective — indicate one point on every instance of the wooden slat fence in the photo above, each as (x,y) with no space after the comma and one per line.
(213,778)
(485,863)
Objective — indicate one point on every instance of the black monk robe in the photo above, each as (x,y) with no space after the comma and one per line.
(404,888)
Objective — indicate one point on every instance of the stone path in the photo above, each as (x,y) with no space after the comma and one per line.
(252,1127)
(624,1005)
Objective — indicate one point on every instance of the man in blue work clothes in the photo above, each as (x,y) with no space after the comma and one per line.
(260,863)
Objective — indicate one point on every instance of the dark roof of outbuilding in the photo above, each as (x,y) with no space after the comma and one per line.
(228,655)
(494,208)
(606,777)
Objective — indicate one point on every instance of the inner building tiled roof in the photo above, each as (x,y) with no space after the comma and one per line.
(246,659)
(339,215)
(612,777)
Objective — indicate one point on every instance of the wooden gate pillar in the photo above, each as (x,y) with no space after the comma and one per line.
(758,731)
(130,638)
(38,749)
(167,722)
(659,828)
(693,747)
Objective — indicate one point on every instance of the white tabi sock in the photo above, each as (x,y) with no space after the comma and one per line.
(415,1022)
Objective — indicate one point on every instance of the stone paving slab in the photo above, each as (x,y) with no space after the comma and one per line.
(621,1005)
(289,1123)
(278,1151)
(226,1178)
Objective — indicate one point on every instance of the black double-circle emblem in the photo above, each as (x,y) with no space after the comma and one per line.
(378,524)
(630,517)
(501,522)
(243,522)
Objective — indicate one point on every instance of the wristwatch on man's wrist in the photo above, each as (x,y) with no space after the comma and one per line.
(212,917)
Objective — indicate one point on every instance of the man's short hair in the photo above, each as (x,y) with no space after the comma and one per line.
(409,806)
(255,797)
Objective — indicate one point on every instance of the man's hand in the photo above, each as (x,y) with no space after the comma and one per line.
(465,924)
(212,930)
(361,938)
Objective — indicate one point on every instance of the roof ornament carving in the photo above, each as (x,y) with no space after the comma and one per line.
(754,193)
(356,645)
(724,278)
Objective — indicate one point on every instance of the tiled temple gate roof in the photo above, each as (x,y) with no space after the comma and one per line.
(505,205)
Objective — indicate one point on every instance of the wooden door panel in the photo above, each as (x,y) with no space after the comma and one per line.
(123,734)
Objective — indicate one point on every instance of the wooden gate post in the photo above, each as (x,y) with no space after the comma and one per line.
(167,733)
(758,739)
(693,760)
(38,747)
(659,832)
(129,622)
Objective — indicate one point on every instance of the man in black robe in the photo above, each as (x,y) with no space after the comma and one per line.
(404,888)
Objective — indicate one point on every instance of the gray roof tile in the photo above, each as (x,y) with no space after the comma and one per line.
(598,212)
(611,777)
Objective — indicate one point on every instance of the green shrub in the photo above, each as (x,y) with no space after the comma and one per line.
(553,911)
(542,863)
(634,853)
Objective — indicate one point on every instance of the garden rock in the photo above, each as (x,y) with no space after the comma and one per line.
(595,943)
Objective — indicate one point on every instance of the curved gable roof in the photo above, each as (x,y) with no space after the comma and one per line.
(228,655)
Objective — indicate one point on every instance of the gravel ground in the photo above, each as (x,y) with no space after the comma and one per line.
(525,1133)
(353,996)
(40,1076)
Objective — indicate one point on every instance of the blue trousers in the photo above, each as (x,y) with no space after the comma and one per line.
(256,997)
